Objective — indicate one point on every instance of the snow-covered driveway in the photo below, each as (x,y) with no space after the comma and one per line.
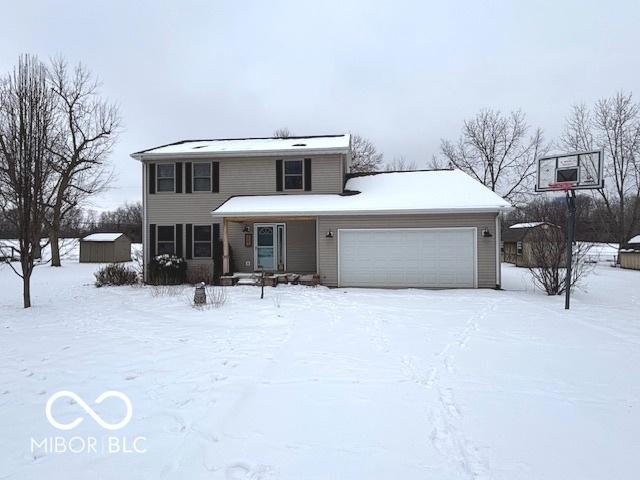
(319,383)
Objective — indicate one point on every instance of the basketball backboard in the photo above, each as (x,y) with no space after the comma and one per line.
(570,171)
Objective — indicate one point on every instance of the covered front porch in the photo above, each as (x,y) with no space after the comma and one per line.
(274,245)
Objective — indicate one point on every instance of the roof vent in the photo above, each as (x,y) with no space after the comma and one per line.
(299,144)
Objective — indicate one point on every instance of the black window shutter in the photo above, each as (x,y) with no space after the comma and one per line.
(178,177)
(152,240)
(189,228)
(152,178)
(278,175)
(188,178)
(179,251)
(307,174)
(215,177)
(215,235)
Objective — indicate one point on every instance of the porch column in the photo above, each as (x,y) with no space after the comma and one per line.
(225,246)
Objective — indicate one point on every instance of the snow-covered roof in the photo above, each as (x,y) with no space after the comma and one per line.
(250,146)
(527,225)
(635,239)
(398,192)
(102,237)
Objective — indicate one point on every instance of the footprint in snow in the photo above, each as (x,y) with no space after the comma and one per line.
(130,377)
(243,471)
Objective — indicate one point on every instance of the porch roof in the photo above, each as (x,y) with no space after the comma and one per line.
(437,191)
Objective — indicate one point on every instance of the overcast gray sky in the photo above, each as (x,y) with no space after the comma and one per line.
(404,74)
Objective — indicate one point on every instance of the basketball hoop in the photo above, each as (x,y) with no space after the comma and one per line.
(567,173)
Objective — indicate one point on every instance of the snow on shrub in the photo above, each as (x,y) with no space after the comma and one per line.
(167,270)
(115,274)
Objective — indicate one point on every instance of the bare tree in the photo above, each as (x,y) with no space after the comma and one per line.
(546,247)
(27,118)
(498,151)
(547,259)
(613,124)
(283,132)
(401,164)
(364,155)
(88,130)
(438,162)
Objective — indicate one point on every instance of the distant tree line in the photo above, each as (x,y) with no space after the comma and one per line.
(79,222)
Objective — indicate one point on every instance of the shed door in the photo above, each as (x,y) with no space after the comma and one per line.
(420,257)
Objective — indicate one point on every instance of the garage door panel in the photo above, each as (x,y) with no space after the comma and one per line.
(440,258)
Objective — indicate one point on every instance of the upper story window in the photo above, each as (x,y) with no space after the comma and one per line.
(166,243)
(202,241)
(202,177)
(293,174)
(166,177)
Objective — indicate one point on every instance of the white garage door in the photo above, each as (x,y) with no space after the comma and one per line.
(418,257)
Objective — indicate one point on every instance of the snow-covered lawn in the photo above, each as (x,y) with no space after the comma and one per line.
(320,384)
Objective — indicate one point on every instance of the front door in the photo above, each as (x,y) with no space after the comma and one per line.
(270,251)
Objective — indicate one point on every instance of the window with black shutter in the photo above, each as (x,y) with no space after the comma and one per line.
(166,244)
(201,177)
(202,241)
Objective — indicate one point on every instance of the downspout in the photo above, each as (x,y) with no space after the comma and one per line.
(498,242)
(145,227)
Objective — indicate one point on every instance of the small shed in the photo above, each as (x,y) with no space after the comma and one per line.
(105,248)
(629,256)
(516,243)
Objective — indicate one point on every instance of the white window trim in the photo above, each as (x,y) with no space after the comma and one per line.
(158,177)
(193,178)
(519,247)
(284,175)
(194,241)
(158,241)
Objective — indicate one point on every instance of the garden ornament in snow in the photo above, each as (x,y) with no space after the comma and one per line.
(200,297)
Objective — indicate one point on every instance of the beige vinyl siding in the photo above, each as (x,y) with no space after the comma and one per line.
(240,176)
(486,247)
(300,248)
(630,260)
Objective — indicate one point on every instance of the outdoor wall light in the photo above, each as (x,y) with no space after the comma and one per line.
(246,229)
(486,233)
(329,234)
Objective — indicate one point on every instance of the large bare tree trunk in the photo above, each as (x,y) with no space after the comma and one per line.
(54,245)
(26,290)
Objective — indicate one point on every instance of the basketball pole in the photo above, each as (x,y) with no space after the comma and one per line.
(571,226)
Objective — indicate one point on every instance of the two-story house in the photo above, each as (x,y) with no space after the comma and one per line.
(290,205)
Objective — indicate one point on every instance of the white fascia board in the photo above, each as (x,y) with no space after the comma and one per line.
(245,153)
(360,212)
